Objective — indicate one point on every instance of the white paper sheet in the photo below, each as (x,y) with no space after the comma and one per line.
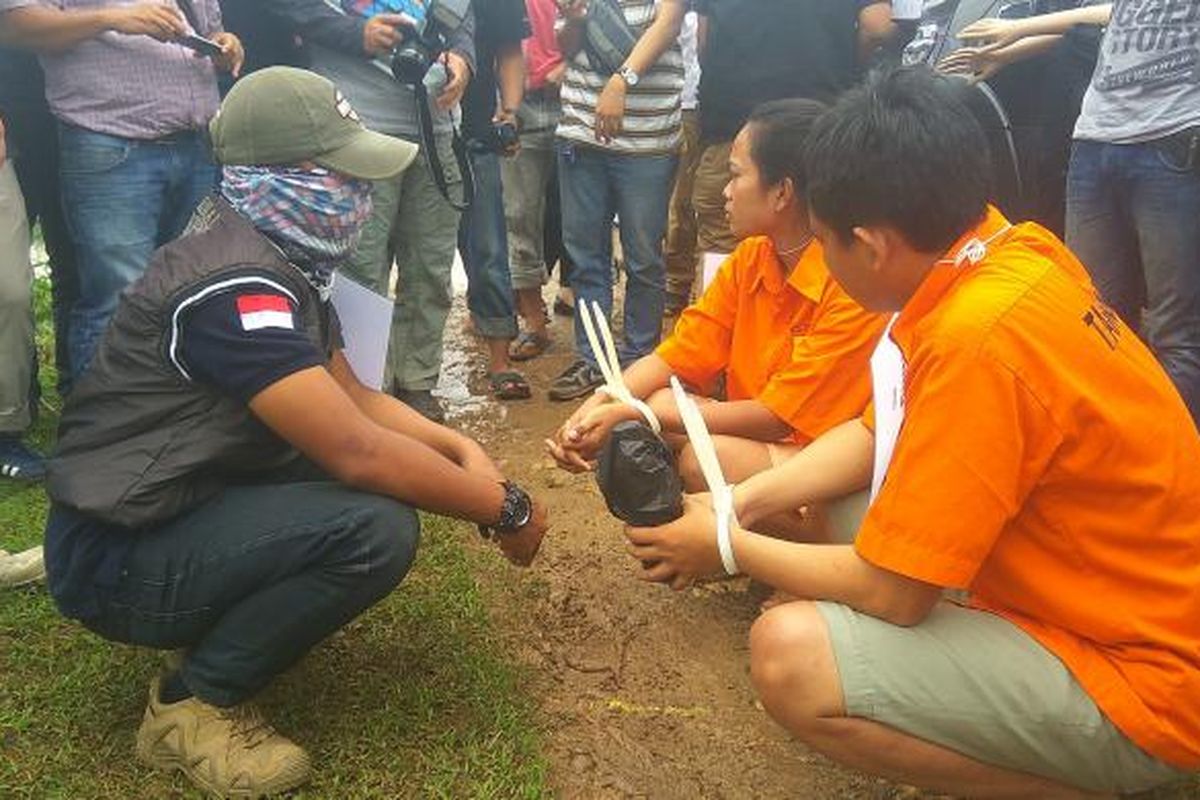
(887,381)
(366,325)
(709,264)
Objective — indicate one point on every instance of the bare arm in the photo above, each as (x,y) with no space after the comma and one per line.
(835,464)
(658,38)
(510,74)
(875,27)
(686,549)
(50,30)
(836,573)
(569,33)
(982,63)
(996,34)
(390,413)
(397,458)
(749,419)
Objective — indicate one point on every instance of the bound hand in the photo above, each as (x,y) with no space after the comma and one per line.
(680,551)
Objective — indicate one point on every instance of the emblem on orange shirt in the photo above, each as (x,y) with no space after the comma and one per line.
(1105,322)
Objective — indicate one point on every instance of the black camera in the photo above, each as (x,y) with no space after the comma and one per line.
(416,54)
(415,64)
(506,136)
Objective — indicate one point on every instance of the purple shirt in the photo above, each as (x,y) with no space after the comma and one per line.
(130,86)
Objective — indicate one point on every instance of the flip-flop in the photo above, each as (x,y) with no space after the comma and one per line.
(528,345)
(509,385)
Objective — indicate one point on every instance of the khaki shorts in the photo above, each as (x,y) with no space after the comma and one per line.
(977,684)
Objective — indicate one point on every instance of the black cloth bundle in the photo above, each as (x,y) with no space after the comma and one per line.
(637,476)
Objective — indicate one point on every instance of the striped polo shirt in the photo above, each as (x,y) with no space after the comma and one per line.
(652,108)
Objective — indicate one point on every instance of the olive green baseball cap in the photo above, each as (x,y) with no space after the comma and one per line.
(284,115)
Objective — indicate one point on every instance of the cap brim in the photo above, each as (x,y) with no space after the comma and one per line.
(371,156)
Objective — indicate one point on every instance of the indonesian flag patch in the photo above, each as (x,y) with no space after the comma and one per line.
(259,311)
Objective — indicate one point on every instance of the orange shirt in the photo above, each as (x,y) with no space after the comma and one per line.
(801,347)
(1047,464)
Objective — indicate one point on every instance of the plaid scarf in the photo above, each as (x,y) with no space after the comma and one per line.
(314,216)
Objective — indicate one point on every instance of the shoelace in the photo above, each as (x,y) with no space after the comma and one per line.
(249,725)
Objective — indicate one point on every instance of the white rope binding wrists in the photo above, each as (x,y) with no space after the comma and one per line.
(710,467)
(610,366)
(726,521)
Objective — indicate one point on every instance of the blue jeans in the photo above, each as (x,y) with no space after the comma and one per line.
(483,241)
(123,198)
(596,186)
(35,133)
(248,582)
(1133,218)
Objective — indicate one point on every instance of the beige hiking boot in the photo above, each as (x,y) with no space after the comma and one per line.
(231,752)
(18,569)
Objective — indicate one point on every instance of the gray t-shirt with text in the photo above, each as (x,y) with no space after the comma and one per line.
(1147,80)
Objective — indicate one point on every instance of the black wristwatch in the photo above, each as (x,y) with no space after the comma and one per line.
(515,513)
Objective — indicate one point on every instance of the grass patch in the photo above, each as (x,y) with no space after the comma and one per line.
(413,699)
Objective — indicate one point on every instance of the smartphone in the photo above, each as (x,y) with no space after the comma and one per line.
(201,45)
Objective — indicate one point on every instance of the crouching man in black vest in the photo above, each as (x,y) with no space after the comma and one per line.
(223,483)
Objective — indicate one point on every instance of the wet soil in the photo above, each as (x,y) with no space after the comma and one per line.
(643,692)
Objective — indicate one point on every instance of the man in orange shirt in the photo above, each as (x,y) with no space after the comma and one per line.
(1024,446)
(790,343)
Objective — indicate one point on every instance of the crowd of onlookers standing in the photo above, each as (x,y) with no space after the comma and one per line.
(104,109)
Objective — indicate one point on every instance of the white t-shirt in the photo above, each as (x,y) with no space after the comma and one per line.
(691,61)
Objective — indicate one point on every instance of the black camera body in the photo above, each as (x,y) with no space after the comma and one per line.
(506,136)
(416,54)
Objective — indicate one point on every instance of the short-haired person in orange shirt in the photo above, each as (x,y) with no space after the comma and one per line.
(792,346)
(1024,446)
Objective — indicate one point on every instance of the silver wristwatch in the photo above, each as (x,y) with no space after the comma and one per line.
(630,77)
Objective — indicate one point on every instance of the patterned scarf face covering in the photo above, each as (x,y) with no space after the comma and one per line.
(314,216)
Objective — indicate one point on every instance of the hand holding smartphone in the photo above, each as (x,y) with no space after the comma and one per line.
(205,47)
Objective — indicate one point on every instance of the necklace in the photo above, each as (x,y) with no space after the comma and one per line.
(782,254)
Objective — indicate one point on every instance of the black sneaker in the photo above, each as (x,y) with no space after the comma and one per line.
(576,381)
(423,402)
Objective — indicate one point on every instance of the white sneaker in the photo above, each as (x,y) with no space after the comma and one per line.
(18,569)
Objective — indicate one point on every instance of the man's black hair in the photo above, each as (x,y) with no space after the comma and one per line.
(899,151)
(778,131)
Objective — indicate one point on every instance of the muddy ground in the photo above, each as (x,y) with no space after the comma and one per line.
(643,692)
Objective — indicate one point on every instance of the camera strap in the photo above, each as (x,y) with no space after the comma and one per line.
(457,145)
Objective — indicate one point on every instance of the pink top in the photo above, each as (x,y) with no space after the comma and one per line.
(541,49)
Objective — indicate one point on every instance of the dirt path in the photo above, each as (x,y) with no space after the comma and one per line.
(644,692)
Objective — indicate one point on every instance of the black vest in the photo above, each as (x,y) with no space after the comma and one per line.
(139,441)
